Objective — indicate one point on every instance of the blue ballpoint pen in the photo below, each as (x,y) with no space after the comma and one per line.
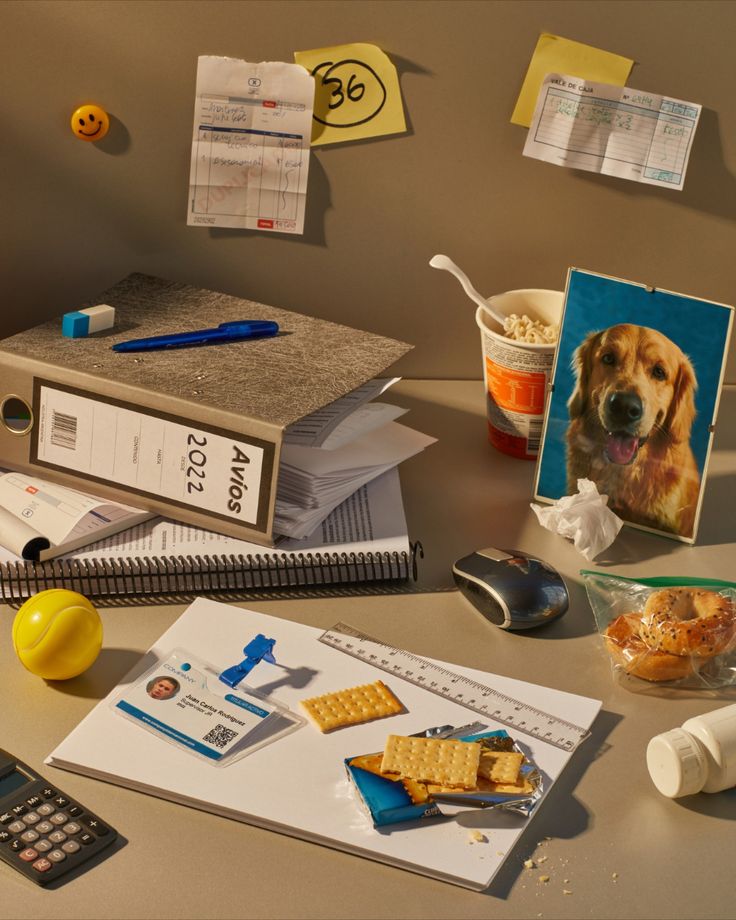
(225,332)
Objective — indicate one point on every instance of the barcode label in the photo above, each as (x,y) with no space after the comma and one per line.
(535,433)
(63,430)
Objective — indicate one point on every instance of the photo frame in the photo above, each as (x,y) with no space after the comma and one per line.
(633,400)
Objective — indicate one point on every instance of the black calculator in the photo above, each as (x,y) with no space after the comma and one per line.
(44,833)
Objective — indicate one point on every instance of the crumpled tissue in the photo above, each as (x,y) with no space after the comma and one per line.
(583,518)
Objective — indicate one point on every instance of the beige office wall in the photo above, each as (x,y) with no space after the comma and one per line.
(78,216)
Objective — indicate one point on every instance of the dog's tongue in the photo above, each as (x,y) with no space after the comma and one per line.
(621,448)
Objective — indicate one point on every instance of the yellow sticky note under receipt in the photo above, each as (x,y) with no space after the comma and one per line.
(562,55)
(357,93)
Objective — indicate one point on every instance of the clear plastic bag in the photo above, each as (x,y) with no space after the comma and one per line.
(678,632)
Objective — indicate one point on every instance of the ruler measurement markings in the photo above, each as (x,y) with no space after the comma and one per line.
(445,683)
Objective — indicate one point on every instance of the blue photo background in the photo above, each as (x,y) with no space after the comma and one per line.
(595,302)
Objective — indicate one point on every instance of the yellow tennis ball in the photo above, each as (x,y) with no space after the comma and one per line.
(57,634)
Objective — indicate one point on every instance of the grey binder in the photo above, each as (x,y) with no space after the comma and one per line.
(194,434)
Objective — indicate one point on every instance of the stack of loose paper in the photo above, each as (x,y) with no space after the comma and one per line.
(371,520)
(330,454)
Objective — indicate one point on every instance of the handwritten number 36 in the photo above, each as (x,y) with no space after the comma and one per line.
(348,81)
(355,91)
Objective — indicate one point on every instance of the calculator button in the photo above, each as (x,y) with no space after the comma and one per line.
(59,818)
(47,792)
(60,801)
(43,827)
(45,809)
(19,810)
(94,824)
(29,854)
(17,827)
(6,817)
(86,839)
(57,837)
(29,836)
(16,845)
(31,818)
(34,800)
(72,828)
(71,846)
(74,811)
(56,856)
(42,865)
(5,836)
(43,846)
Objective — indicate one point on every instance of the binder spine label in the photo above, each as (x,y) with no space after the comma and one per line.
(183,462)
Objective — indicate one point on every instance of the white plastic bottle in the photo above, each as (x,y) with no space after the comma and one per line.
(699,757)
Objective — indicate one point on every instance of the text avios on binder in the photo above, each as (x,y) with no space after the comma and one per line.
(198,434)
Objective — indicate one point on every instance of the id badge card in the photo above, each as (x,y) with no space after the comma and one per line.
(182,701)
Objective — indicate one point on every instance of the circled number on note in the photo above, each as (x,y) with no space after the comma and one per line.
(348,93)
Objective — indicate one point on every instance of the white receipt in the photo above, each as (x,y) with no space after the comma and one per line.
(614,130)
(250,145)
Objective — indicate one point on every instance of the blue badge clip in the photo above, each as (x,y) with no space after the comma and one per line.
(257,650)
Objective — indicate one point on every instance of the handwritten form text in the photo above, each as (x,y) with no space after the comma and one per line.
(250,145)
(613,130)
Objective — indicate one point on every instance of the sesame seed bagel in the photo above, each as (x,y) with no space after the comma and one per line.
(689,621)
(630,652)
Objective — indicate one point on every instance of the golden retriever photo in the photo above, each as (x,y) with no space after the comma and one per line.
(631,415)
(633,400)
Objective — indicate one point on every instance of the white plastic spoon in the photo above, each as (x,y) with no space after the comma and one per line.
(448,265)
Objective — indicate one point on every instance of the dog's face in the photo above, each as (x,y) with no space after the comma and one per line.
(633,384)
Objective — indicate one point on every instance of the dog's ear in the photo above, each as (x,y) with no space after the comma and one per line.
(577,404)
(681,412)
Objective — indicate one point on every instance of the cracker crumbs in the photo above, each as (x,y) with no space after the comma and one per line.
(566,891)
(543,879)
(529,864)
(477,837)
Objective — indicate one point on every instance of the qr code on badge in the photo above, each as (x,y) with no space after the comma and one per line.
(220,736)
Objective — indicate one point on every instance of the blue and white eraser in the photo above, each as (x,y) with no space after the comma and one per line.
(80,323)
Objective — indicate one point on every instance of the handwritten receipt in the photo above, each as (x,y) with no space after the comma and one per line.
(250,145)
(614,130)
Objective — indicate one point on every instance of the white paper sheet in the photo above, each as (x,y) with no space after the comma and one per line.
(261,790)
(614,130)
(315,428)
(250,145)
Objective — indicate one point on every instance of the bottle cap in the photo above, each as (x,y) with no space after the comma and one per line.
(676,763)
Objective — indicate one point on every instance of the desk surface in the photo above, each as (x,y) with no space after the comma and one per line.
(610,844)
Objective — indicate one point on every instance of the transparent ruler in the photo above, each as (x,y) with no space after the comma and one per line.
(470,693)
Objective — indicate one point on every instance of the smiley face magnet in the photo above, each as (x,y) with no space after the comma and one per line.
(90,123)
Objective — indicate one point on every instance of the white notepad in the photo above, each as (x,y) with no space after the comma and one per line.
(263,789)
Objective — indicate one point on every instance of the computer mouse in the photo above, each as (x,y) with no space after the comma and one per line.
(511,589)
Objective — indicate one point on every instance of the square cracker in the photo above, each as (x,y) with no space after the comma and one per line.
(432,760)
(500,766)
(417,792)
(351,706)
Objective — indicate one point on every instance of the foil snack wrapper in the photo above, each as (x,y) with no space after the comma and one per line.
(389,800)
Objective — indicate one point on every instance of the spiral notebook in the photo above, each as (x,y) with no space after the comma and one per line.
(364,541)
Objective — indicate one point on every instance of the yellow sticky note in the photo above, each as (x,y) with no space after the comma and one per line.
(356,93)
(562,55)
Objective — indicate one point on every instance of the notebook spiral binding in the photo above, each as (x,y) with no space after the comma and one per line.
(166,575)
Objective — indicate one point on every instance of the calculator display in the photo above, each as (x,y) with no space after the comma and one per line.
(12,781)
